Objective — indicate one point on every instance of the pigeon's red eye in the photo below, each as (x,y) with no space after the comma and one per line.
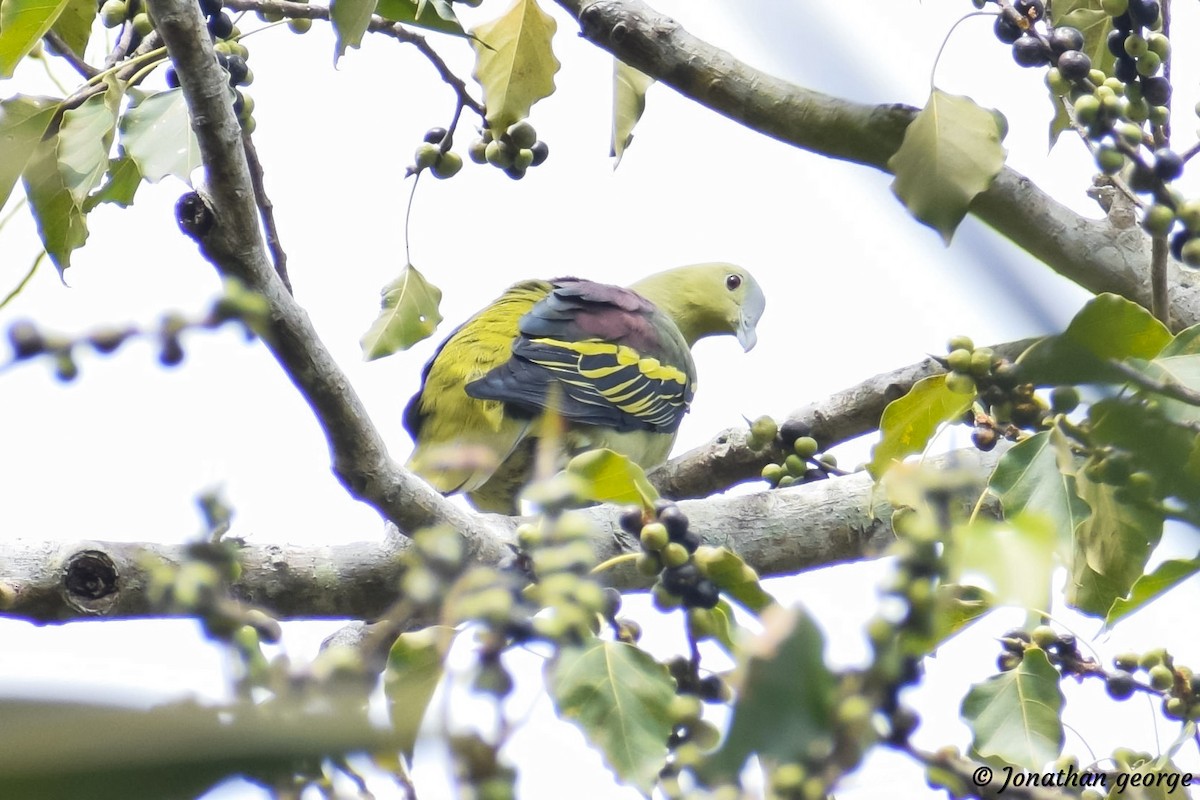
(732,282)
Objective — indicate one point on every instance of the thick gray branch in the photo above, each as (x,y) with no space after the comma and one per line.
(778,532)
(234,244)
(1092,253)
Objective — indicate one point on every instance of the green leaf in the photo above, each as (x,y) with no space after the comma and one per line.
(1108,327)
(950,153)
(618,695)
(1111,548)
(723,626)
(435,15)
(65,751)
(156,133)
(85,139)
(784,708)
(74,25)
(514,62)
(1061,121)
(1151,586)
(409,314)
(1015,716)
(1030,480)
(736,578)
(909,422)
(350,19)
(23,122)
(60,220)
(22,24)
(608,477)
(1014,558)
(955,608)
(124,178)
(1165,448)
(629,101)
(414,668)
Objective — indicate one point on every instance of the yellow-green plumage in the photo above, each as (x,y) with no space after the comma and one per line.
(615,367)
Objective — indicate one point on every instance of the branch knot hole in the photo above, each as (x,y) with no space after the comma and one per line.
(90,581)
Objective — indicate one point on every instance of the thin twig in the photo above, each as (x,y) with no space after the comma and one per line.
(266,210)
(121,49)
(378,24)
(1168,388)
(67,54)
(1159,283)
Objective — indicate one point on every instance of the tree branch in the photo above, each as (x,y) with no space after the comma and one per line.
(1092,253)
(728,459)
(234,245)
(843,519)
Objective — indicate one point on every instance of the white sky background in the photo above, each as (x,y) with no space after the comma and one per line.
(854,288)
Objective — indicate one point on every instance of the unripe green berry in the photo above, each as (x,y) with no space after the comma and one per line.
(685,709)
(674,555)
(959,360)
(795,465)
(960,343)
(805,447)
(447,166)
(1136,46)
(960,383)
(1126,661)
(1044,636)
(142,24)
(981,362)
(1109,159)
(477,151)
(1064,399)
(113,12)
(648,564)
(1087,109)
(523,158)
(773,472)
(1158,220)
(1149,64)
(299,24)
(1160,45)
(426,155)
(1162,677)
(1191,252)
(523,135)
(654,536)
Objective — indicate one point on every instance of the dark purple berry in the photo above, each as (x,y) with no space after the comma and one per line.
(1156,90)
(1144,12)
(1030,9)
(631,520)
(210,7)
(237,69)
(1141,178)
(171,353)
(172,78)
(1074,65)
(541,151)
(678,580)
(435,135)
(1116,42)
(220,25)
(1177,243)
(793,429)
(1064,38)
(1120,685)
(704,594)
(239,102)
(1006,30)
(1028,51)
(675,521)
(1168,165)
(1124,23)
(690,541)
(1125,70)
(26,340)
(223,60)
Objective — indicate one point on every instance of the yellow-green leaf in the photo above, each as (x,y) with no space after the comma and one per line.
(85,139)
(436,15)
(1151,586)
(785,704)
(350,19)
(1108,327)
(950,153)
(156,133)
(909,422)
(514,62)
(415,665)
(608,477)
(629,101)
(1030,479)
(74,24)
(409,314)
(124,178)
(22,24)
(736,578)
(618,695)
(60,220)
(1013,559)
(23,122)
(1015,716)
